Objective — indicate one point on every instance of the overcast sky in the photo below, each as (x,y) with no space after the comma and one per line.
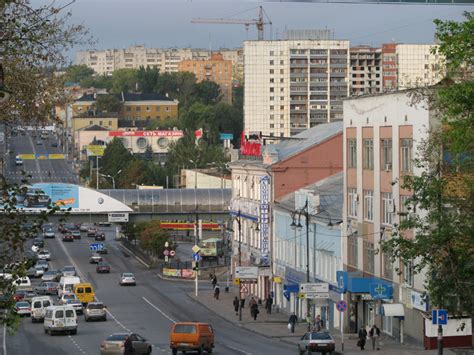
(166,23)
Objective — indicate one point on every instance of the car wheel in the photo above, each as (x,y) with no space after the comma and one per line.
(74,331)
(148,351)
(209,351)
(174,351)
(45,331)
(201,350)
(86,319)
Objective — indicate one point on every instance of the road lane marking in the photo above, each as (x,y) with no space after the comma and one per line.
(76,344)
(237,349)
(81,275)
(159,310)
(4,339)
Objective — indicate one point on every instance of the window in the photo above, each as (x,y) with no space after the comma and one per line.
(272,108)
(70,313)
(368,205)
(353,246)
(100,123)
(282,80)
(406,146)
(158,108)
(408,272)
(369,154)
(147,109)
(387,208)
(272,53)
(404,209)
(91,122)
(272,62)
(59,314)
(272,80)
(387,266)
(272,98)
(352,153)
(138,108)
(352,200)
(369,257)
(110,123)
(282,71)
(272,71)
(272,89)
(282,62)
(272,125)
(272,117)
(167,108)
(386,154)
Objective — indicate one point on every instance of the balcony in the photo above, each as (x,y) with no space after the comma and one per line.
(298,65)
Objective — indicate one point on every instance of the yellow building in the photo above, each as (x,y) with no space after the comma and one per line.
(109,121)
(216,69)
(135,107)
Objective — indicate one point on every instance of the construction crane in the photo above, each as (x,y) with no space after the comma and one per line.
(259,22)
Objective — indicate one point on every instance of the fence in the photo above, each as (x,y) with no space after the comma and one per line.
(203,263)
(135,249)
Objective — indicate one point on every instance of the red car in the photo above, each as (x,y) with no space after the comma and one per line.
(102,267)
(19,295)
(91,232)
(68,238)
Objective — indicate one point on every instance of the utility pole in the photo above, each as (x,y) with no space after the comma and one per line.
(97,171)
(240,264)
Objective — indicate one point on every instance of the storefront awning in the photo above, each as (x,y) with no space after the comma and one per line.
(393,310)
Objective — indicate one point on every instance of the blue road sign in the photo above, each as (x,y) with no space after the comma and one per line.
(439,316)
(96,246)
(196,257)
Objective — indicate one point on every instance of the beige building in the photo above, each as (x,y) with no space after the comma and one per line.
(215,69)
(366,70)
(165,59)
(204,179)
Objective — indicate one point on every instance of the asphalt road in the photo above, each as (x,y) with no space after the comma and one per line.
(40,170)
(148,309)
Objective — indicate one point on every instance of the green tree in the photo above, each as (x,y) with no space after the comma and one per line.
(152,238)
(124,80)
(135,173)
(147,79)
(116,157)
(208,92)
(443,194)
(78,73)
(98,82)
(108,103)
(148,155)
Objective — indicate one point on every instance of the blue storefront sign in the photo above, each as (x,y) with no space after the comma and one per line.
(379,289)
(226,136)
(291,288)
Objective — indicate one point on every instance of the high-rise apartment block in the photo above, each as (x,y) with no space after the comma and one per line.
(166,60)
(366,70)
(215,69)
(292,85)
(417,65)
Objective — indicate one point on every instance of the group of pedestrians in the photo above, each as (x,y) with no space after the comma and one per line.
(373,335)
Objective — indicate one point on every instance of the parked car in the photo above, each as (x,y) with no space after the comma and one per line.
(44,255)
(127,278)
(95,310)
(68,238)
(91,232)
(116,341)
(47,288)
(95,258)
(191,336)
(22,308)
(69,270)
(102,267)
(321,342)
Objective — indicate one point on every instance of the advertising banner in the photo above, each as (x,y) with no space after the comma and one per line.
(94,150)
(188,274)
(172,272)
(146,133)
(264,219)
(42,195)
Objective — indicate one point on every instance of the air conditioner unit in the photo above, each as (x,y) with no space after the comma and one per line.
(388,167)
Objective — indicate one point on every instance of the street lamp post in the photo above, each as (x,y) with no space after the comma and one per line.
(112,177)
(237,218)
(195,172)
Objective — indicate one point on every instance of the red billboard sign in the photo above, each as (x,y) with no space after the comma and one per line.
(247,147)
(146,133)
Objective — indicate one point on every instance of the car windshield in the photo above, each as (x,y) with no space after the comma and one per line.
(127,275)
(95,306)
(22,304)
(69,297)
(69,268)
(50,273)
(185,329)
(116,337)
(320,336)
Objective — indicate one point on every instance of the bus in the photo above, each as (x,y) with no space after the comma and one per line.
(212,248)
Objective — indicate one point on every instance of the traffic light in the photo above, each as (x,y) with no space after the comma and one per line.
(195,266)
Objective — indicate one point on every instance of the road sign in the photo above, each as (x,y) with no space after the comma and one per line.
(96,246)
(246,272)
(315,295)
(118,217)
(237,281)
(196,257)
(196,249)
(172,253)
(166,252)
(439,316)
(321,287)
(341,306)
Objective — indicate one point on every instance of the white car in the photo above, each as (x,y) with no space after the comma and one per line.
(49,233)
(35,248)
(22,308)
(39,271)
(67,297)
(76,304)
(127,278)
(44,255)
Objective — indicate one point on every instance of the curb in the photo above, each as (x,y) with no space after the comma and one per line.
(239,324)
(135,256)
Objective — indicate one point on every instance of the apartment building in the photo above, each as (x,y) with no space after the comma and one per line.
(382,134)
(417,65)
(165,59)
(215,69)
(292,85)
(389,66)
(366,70)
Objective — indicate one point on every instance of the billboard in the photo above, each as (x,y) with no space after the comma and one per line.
(94,150)
(146,133)
(40,196)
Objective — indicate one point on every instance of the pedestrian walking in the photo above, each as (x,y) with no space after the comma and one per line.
(251,304)
(254,311)
(318,323)
(292,322)
(216,292)
(128,346)
(236,305)
(214,281)
(374,334)
(268,304)
(362,338)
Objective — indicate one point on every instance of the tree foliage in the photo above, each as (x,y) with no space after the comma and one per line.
(442,205)
(78,73)
(108,103)
(124,80)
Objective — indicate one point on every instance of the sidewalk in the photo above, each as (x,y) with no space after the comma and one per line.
(275,326)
